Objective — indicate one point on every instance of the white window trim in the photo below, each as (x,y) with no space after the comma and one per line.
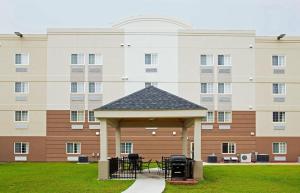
(130,150)
(279,122)
(73,148)
(21,92)
(88,88)
(279,148)
(83,59)
(22,64)
(101,59)
(235,150)
(276,67)
(278,93)
(225,93)
(89,119)
(27,148)
(151,65)
(230,60)
(77,87)
(213,118)
(230,121)
(213,88)
(21,121)
(213,59)
(77,116)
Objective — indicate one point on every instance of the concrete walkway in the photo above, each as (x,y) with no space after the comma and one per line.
(147,183)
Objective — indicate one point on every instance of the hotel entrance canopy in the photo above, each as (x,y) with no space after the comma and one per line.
(150,107)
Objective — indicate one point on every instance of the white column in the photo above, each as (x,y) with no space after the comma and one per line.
(118,141)
(197,139)
(103,140)
(184,141)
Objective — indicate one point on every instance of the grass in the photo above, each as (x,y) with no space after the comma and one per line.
(71,177)
(245,179)
(56,177)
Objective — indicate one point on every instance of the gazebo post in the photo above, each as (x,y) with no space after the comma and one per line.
(103,165)
(198,165)
(118,141)
(184,141)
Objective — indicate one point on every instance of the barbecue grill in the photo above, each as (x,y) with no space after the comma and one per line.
(178,166)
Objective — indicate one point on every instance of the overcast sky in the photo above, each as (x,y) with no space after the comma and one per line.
(267,17)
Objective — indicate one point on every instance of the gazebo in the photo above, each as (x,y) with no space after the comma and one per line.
(150,107)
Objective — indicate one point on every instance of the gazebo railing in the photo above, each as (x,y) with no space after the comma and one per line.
(122,168)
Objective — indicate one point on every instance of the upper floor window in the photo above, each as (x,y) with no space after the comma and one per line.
(207,88)
(228,148)
(21,116)
(21,147)
(21,87)
(73,148)
(95,59)
(278,117)
(206,60)
(147,84)
(151,59)
(94,87)
(77,59)
(278,61)
(22,59)
(224,117)
(77,87)
(77,116)
(279,148)
(224,60)
(209,117)
(224,88)
(92,116)
(279,88)
(126,148)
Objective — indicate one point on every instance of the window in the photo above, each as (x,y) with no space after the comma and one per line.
(224,60)
(21,148)
(224,88)
(94,87)
(151,59)
(21,116)
(77,59)
(278,117)
(95,59)
(206,60)
(92,116)
(73,148)
(279,148)
(21,87)
(224,117)
(228,148)
(22,59)
(209,117)
(126,148)
(279,88)
(147,84)
(77,87)
(207,88)
(77,116)
(278,61)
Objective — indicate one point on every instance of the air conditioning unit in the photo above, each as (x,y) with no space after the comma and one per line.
(245,158)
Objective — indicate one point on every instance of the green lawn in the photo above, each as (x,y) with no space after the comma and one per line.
(56,177)
(245,179)
(71,177)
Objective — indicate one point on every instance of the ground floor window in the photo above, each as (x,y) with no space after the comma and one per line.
(229,147)
(21,148)
(126,148)
(73,148)
(279,148)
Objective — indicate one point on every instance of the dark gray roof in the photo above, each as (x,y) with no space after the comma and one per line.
(151,98)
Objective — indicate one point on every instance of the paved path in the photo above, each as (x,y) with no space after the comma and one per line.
(147,183)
